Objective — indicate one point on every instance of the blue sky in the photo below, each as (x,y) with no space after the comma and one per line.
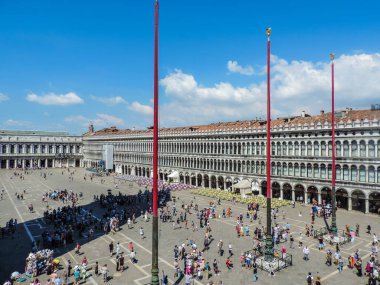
(65,63)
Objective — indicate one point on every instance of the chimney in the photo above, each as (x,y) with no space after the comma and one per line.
(322,112)
(303,114)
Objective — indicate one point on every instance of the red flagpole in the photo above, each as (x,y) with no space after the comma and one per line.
(155,270)
(333,192)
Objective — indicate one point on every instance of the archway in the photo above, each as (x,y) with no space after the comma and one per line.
(326,195)
(358,200)
(187,178)
(287,189)
(221,182)
(228,183)
(181,178)
(193,179)
(264,188)
(276,190)
(312,194)
(199,176)
(374,202)
(161,176)
(207,180)
(213,181)
(299,192)
(147,172)
(342,199)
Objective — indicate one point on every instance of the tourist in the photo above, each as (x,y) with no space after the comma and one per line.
(306,253)
(104,270)
(142,233)
(110,247)
(309,279)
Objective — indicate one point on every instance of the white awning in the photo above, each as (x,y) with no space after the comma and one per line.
(174,174)
(244,184)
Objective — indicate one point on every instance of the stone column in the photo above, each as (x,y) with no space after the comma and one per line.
(281,193)
(7,163)
(319,198)
(305,197)
(39,162)
(349,200)
(225,185)
(366,206)
(293,195)
(209,181)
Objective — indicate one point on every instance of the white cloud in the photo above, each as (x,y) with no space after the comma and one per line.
(110,101)
(3,97)
(140,108)
(296,86)
(16,123)
(70,98)
(234,67)
(101,120)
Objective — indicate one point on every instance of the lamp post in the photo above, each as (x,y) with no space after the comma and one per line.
(333,192)
(155,272)
(268,241)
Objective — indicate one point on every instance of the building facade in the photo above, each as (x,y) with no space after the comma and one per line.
(221,154)
(32,149)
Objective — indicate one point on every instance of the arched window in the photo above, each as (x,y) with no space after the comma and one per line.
(278,149)
(273,149)
(284,148)
(354,173)
(262,168)
(316,149)
(284,169)
(262,149)
(303,170)
(354,149)
(362,173)
(316,170)
(309,170)
(323,149)
(309,149)
(363,149)
(346,149)
(291,149)
(378,174)
(330,148)
(338,173)
(329,171)
(296,169)
(345,172)
(323,171)
(279,168)
(371,174)
(291,173)
(303,149)
(338,149)
(273,168)
(371,149)
(296,149)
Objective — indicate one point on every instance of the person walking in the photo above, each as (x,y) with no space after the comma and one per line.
(142,233)
(118,248)
(309,279)
(306,253)
(110,246)
(104,271)
(230,249)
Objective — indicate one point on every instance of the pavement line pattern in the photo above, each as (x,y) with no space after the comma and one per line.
(18,213)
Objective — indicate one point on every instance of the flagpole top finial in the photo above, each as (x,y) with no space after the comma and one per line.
(332,56)
(269,30)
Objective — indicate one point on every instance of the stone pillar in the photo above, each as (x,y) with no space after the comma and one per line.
(225,185)
(7,163)
(366,206)
(319,198)
(349,200)
(196,180)
(293,195)
(203,181)
(281,193)
(39,162)
(209,181)
(23,164)
(305,197)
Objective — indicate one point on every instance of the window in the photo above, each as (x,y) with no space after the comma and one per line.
(371,174)
(284,149)
(296,170)
(262,149)
(273,149)
(345,172)
(346,149)
(323,171)
(330,149)
(278,168)
(291,173)
(316,149)
(296,149)
(338,172)
(323,148)
(338,149)
(278,149)
(329,171)
(309,149)
(354,149)
(316,170)
(291,149)
(378,175)
(262,168)
(284,169)
(363,149)
(309,170)
(362,173)
(354,173)
(303,149)
(303,170)
(371,149)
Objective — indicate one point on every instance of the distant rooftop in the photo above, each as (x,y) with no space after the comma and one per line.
(33,133)
(340,116)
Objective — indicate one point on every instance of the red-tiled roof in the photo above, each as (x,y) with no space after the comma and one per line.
(341,116)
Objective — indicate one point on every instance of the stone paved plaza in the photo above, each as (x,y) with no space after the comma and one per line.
(14,251)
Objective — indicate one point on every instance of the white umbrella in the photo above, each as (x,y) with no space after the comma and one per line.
(15,275)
